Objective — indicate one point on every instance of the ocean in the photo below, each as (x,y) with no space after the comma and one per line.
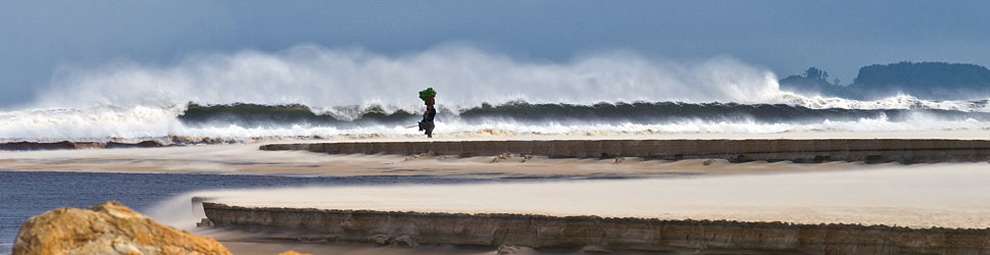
(162,196)
(312,92)
(244,121)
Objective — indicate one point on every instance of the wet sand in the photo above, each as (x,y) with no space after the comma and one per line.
(247,159)
(919,196)
(842,192)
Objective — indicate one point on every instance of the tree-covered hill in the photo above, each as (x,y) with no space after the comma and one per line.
(813,81)
(925,80)
(930,80)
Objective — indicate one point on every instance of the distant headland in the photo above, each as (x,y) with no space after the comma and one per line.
(925,80)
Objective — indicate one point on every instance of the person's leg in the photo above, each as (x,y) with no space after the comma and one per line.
(429,129)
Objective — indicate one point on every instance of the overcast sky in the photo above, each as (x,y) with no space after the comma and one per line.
(36,37)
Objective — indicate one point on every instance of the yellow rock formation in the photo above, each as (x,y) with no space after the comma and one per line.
(293,253)
(108,228)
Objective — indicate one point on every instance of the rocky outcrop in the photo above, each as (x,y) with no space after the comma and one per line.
(66,145)
(866,150)
(23,146)
(108,228)
(600,234)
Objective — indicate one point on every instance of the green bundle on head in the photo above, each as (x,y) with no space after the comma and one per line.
(427,94)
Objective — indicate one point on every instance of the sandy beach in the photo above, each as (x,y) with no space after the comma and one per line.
(945,195)
(246,158)
(951,195)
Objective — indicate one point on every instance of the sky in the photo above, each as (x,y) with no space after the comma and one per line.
(41,37)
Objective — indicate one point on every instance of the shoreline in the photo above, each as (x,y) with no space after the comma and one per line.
(14,145)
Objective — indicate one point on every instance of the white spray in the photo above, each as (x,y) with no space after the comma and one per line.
(133,100)
(463,75)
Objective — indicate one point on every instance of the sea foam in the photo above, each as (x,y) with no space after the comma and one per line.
(132,100)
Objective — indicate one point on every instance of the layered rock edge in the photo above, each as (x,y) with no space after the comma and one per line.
(905,151)
(617,234)
(108,228)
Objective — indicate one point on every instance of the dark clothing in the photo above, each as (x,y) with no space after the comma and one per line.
(430,114)
(427,123)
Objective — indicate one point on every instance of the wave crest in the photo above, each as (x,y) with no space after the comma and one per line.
(464,76)
(308,90)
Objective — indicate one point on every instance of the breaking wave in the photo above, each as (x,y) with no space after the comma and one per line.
(515,118)
(640,113)
(310,91)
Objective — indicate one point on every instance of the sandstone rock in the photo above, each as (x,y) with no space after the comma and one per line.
(405,239)
(205,223)
(595,249)
(502,157)
(515,250)
(527,158)
(293,253)
(521,233)
(907,151)
(108,228)
(708,162)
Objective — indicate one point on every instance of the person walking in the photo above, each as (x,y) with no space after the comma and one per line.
(429,97)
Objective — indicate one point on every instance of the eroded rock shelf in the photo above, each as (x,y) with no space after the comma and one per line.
(805,151)
(603,234)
